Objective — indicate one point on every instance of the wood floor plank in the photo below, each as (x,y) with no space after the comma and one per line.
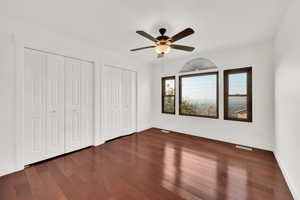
(153,166)
(7,190)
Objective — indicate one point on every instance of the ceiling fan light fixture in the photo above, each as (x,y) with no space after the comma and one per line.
(162,49)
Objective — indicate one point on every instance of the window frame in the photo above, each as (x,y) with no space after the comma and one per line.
(163,79)
(247,70)
(217,93)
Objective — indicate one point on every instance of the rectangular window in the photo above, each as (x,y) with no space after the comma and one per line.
(238,94)
(168,95)
(198,95)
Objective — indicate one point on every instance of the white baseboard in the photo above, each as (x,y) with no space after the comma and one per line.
(286,176)
(4,172)
(143,129)
(267,148)
(97,143)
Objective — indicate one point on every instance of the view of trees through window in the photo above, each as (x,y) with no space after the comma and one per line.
(199,95)
(168,95)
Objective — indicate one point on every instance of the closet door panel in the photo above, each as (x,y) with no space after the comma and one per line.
(34,107)
(72,104)
(106,103)
(79,104)
(129,102)
(87,104)
(111,102)
(133,102)
(126,102)
(55,105)
(117,102)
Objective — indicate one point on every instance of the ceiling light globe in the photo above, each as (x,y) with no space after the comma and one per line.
(162,49)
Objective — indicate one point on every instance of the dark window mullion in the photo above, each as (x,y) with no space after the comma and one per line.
(169,95)
(234,95)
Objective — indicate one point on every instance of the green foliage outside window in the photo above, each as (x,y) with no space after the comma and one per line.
(169,105)
(188,108)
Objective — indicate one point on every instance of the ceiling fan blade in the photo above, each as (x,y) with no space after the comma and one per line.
(146,35)
(142,48)
(182,47)
(182,34)
(160,55)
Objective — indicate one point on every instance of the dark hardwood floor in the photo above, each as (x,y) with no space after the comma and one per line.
(151,165)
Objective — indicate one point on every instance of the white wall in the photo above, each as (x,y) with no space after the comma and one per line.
(15,35)
(258,134)
(287,95)
(7,104)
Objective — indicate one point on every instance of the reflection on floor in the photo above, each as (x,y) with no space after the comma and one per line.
(152,165)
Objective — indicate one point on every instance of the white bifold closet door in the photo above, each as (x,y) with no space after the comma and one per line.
(58,105)
(43,106)
(111,102)
(78,104)
(118,102)
(128,102)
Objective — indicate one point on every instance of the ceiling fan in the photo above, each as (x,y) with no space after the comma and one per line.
(164,43)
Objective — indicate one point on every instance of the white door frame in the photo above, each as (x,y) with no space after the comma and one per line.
(20,45)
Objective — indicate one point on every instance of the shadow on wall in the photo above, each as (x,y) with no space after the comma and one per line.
(198,64)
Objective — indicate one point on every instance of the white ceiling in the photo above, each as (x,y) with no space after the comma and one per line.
(112,23)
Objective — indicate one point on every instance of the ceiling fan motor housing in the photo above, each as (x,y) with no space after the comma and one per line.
(162,31)
(162,38)
(163,42)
